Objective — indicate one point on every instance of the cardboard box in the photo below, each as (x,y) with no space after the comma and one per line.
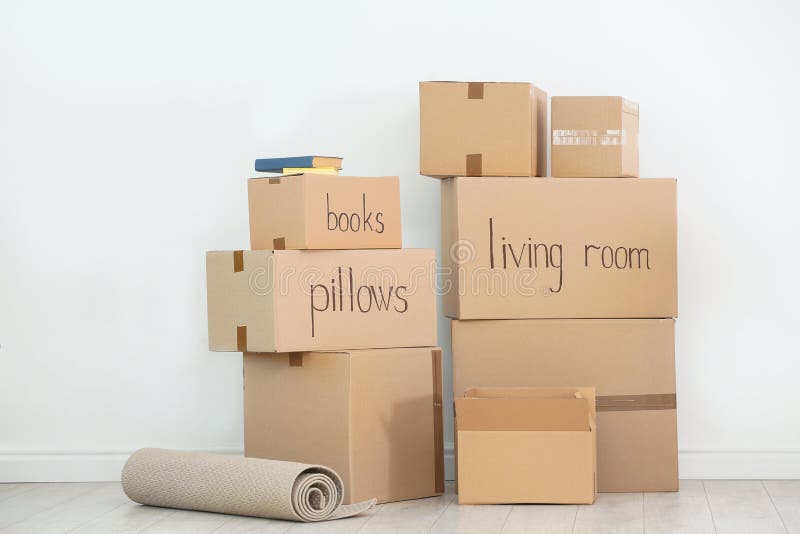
(559,248)
(375,416)
(526,445)
(291,300)
(594,136)
(631,362)
(482,129)
(317,211)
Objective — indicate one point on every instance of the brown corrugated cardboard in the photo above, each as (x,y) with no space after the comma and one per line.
(482,129)
(374,416)
(594,136)
(559,248)
(317,211)
(290,300)
(631,363)
(526,445)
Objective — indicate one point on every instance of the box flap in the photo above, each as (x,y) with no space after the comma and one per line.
(526,409)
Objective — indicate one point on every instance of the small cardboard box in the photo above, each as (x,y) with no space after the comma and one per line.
(482,129)
(291,300)
(559,248)
(631,362)
(317,211)
(375,416)
(526,445)
(594,136)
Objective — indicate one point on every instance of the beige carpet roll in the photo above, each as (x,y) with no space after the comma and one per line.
(236,485)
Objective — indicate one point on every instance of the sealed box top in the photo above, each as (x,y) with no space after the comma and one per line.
(319,211)
(482,129)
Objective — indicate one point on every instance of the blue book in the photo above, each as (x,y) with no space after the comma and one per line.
(278,164)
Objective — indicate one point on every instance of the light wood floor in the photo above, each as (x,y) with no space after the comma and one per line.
(724,506)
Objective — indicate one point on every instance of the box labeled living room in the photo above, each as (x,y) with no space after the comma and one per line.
(559,247)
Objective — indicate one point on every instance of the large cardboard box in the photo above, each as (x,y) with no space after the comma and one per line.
(526,445)
(316,211)
(559,248)
(292,300)
(631,363)
(594,136)
(482,129)
(375,416)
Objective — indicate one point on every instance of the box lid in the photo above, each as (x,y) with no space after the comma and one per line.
(625,105)
(526,408)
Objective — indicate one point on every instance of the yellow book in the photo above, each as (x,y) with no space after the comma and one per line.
(310,170)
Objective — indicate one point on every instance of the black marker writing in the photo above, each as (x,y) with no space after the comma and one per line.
(526,254)
(364,221)
(362,298)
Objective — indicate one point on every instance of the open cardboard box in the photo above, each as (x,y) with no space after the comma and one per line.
(526,445)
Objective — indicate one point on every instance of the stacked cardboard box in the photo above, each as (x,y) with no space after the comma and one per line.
(337,324)
(559,282)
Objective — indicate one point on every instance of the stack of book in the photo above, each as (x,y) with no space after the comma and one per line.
(337,324)
(300,164)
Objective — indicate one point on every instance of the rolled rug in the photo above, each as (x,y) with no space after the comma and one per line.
(236,485)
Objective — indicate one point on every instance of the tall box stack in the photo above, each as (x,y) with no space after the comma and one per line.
(337,324)
(564,281)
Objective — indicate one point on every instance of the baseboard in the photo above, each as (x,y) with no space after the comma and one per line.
(779,464)
(90,466)
(57,466)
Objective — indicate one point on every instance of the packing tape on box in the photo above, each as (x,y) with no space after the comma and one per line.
(236,485)
(630,107)
(623,403)
(475,90)
(295,359)
(474,164)
(238,261)
(589,137)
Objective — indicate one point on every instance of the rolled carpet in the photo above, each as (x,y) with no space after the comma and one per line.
(236,485)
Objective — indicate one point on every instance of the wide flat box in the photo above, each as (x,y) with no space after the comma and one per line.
(317,211)
(482,129)
(294,300)
(517,248)
(631,363)
(375,416)
(594,136)
(526,445)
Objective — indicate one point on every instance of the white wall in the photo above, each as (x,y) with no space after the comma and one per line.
(126,135)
